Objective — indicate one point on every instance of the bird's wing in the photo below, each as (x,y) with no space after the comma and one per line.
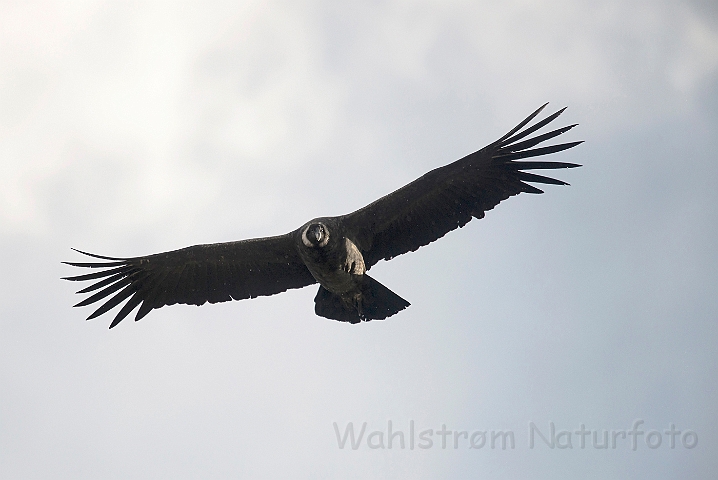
(195,275)
(449,197)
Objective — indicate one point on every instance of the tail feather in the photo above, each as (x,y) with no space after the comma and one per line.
(330,305)
(376,302)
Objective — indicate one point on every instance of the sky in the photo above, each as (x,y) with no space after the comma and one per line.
(130,128)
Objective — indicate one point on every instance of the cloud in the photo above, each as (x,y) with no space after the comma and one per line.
(128,129)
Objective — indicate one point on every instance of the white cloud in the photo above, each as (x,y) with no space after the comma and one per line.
(129,128)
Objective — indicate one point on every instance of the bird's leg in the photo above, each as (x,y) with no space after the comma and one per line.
(358,305)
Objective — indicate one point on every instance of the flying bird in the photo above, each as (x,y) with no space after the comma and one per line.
(335,252)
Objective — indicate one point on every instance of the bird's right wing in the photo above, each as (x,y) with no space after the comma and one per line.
(195,275)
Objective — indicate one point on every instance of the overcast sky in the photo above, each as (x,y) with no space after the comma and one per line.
(133,128)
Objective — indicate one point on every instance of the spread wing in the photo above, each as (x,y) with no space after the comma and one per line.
(195,275)
(449,197)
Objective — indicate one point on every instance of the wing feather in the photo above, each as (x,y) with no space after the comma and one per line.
(448,197)
(103,283)
(194,275)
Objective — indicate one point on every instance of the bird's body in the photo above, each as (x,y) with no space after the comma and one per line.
(334,264)
(346,293)
(335,252)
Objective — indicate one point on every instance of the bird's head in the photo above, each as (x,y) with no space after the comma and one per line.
(315,235)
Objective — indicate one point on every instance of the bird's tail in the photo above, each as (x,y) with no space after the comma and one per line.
(376,302)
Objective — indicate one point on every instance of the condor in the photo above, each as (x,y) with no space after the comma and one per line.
(335,252)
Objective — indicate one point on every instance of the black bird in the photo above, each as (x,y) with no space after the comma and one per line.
(335,252)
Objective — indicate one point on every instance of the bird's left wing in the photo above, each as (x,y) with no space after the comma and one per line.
(195,275)
(448,197)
